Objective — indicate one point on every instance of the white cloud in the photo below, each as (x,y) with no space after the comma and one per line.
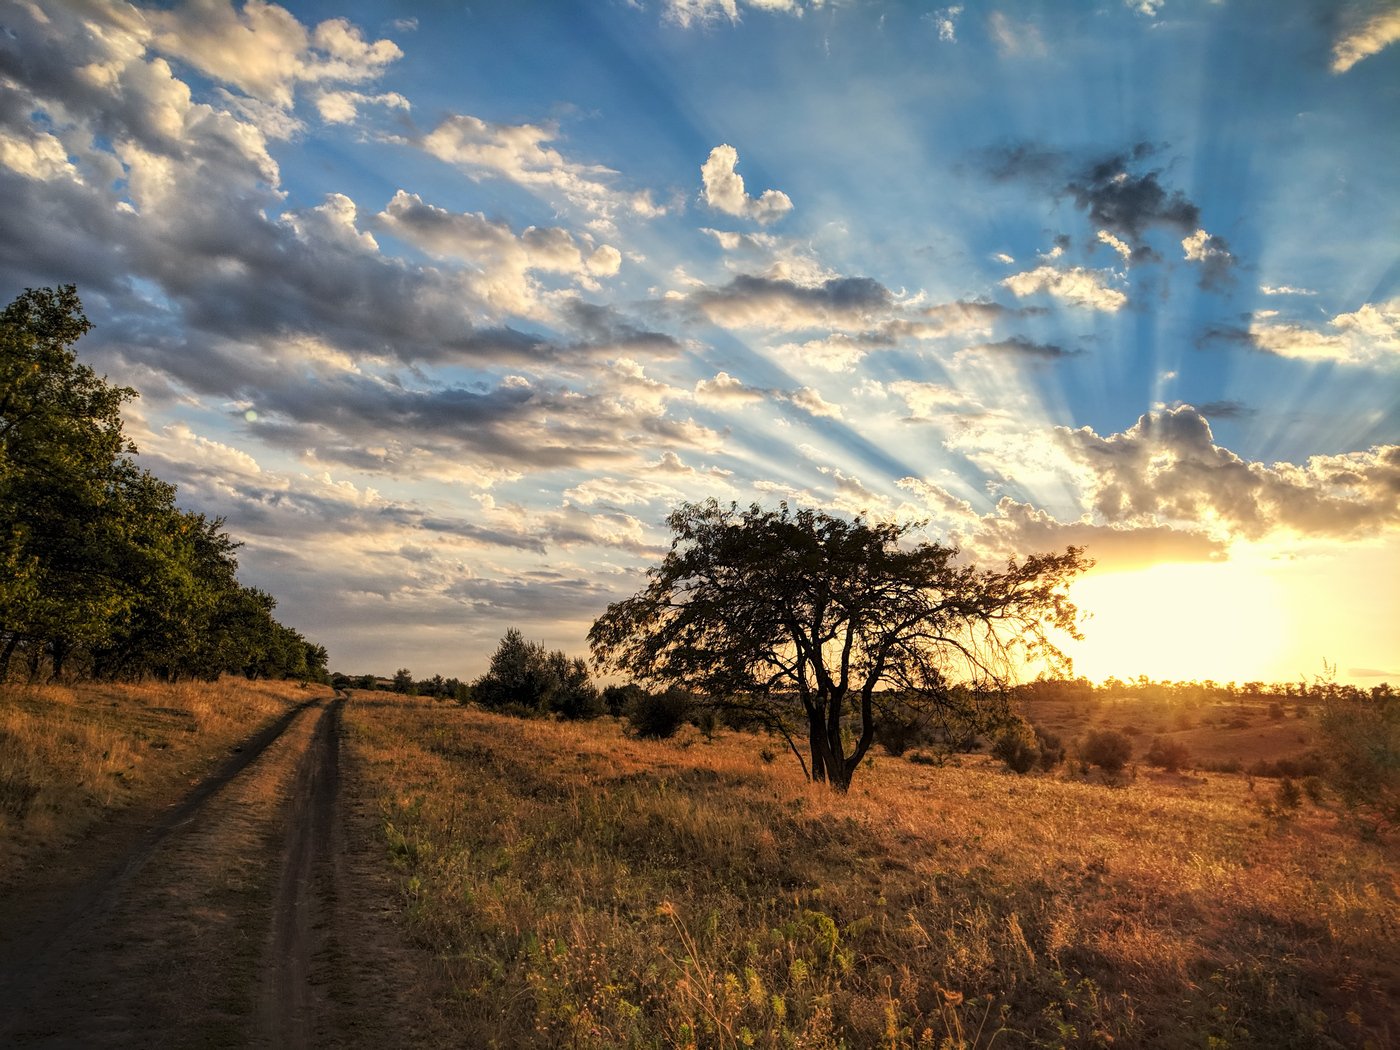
(1366,38)
(811,402)
(724,389)
(724,190)
(263,50)
(1167,469)
(1367,335)
(1077,286)
(1122,247)
(945,19)
(687,13)
(1284,289)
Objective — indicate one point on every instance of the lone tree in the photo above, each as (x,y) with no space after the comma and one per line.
(786,613)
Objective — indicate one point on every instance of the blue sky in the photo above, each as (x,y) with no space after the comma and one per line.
(445,306)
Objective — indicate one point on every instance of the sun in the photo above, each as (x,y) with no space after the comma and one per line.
(1225,621)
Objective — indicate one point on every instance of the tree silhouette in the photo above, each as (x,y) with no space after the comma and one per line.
(804,614)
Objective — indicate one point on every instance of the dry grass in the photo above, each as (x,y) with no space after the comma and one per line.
(71,755)
(583,889)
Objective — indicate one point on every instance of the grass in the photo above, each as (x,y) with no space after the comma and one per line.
(71,756)
(584,889)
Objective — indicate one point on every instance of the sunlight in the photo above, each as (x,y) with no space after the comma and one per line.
(1226,621)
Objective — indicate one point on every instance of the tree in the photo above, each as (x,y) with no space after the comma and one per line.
(528,678)
(804,619)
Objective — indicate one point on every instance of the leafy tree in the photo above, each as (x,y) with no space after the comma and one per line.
(805,619)
(403,682)
(1361,739)
(527,678)
(1108,749)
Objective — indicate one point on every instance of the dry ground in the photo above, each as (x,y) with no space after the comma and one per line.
(584,889)
(228,890)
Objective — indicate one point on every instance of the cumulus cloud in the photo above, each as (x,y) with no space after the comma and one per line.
(504,260)
(523,154)
(724,190)
(1284,289)
(1167,470)
(724,389)
(261,49)
(1365,36)
(1076,286)
(1014,38)
(1020,346)
(1369,335)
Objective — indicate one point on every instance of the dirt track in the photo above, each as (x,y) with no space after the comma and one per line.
(254,912)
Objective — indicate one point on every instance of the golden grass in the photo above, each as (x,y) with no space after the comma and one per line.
(584,889)
(71,755)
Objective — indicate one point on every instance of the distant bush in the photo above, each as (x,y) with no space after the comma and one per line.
(1309,764)
(1108,749)
(660,716)
(1017,746)
(897,735)
(1289,796)
(618,698)
(526,678)
(1052,749)
(1276,711)
(1171,755)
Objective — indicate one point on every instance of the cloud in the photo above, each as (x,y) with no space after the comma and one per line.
(1121,247)
(1366,38)
(503,260)
(686,13)
(1284,289)
(1020,346)
(840,303)
(1127,203)
(1167,470)
(1015,39)
(724,389)
(261,49)
(1076,286)
(945,19)
(1217,264)
(1015,529)
(523,154)
(1369,335)
(1226,410)
(724,190)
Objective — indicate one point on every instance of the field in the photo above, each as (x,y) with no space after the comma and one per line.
(71,757)
(584,889)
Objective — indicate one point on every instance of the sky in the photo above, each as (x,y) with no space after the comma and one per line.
(445,306)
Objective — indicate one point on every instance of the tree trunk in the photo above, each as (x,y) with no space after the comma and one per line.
(59,648)
(10,644)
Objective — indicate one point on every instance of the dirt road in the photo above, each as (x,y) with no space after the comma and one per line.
(256,911)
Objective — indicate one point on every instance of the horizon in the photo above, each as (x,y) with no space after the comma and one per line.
(444,314)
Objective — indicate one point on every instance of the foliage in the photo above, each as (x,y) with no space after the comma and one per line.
(101,574)
(1171,755)
(617,699)
(660,716)
(526,678)
(1361,740)
(1108,749)
(806,620)
(1016,745)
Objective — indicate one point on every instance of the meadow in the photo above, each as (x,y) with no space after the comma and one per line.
(580,888)
(73,756)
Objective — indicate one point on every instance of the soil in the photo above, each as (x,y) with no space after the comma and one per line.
(256,910)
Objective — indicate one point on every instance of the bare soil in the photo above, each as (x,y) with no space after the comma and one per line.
(256,910)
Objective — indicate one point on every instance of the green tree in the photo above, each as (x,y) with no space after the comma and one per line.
(403,682)
(836,622)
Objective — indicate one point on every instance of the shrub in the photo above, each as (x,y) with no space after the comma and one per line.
(1017,746)
(618,698)
(1289,796)
(659,716)
(1106,748)
(1052,749)
(1361,738)
(1308,764)
(1170,755)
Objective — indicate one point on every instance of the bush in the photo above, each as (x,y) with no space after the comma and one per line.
(1108,749)
(1171,755)
(660,716)
(1361,738)
(618,698)
(1052,749)
(1017,746)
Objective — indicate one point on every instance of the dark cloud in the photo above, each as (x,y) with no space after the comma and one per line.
(1227,410)
(1020,346)
(1127,203)
(764,302)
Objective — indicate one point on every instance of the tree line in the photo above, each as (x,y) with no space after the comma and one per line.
(102,575)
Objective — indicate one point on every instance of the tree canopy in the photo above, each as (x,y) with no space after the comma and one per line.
(840,623)
(100,572)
